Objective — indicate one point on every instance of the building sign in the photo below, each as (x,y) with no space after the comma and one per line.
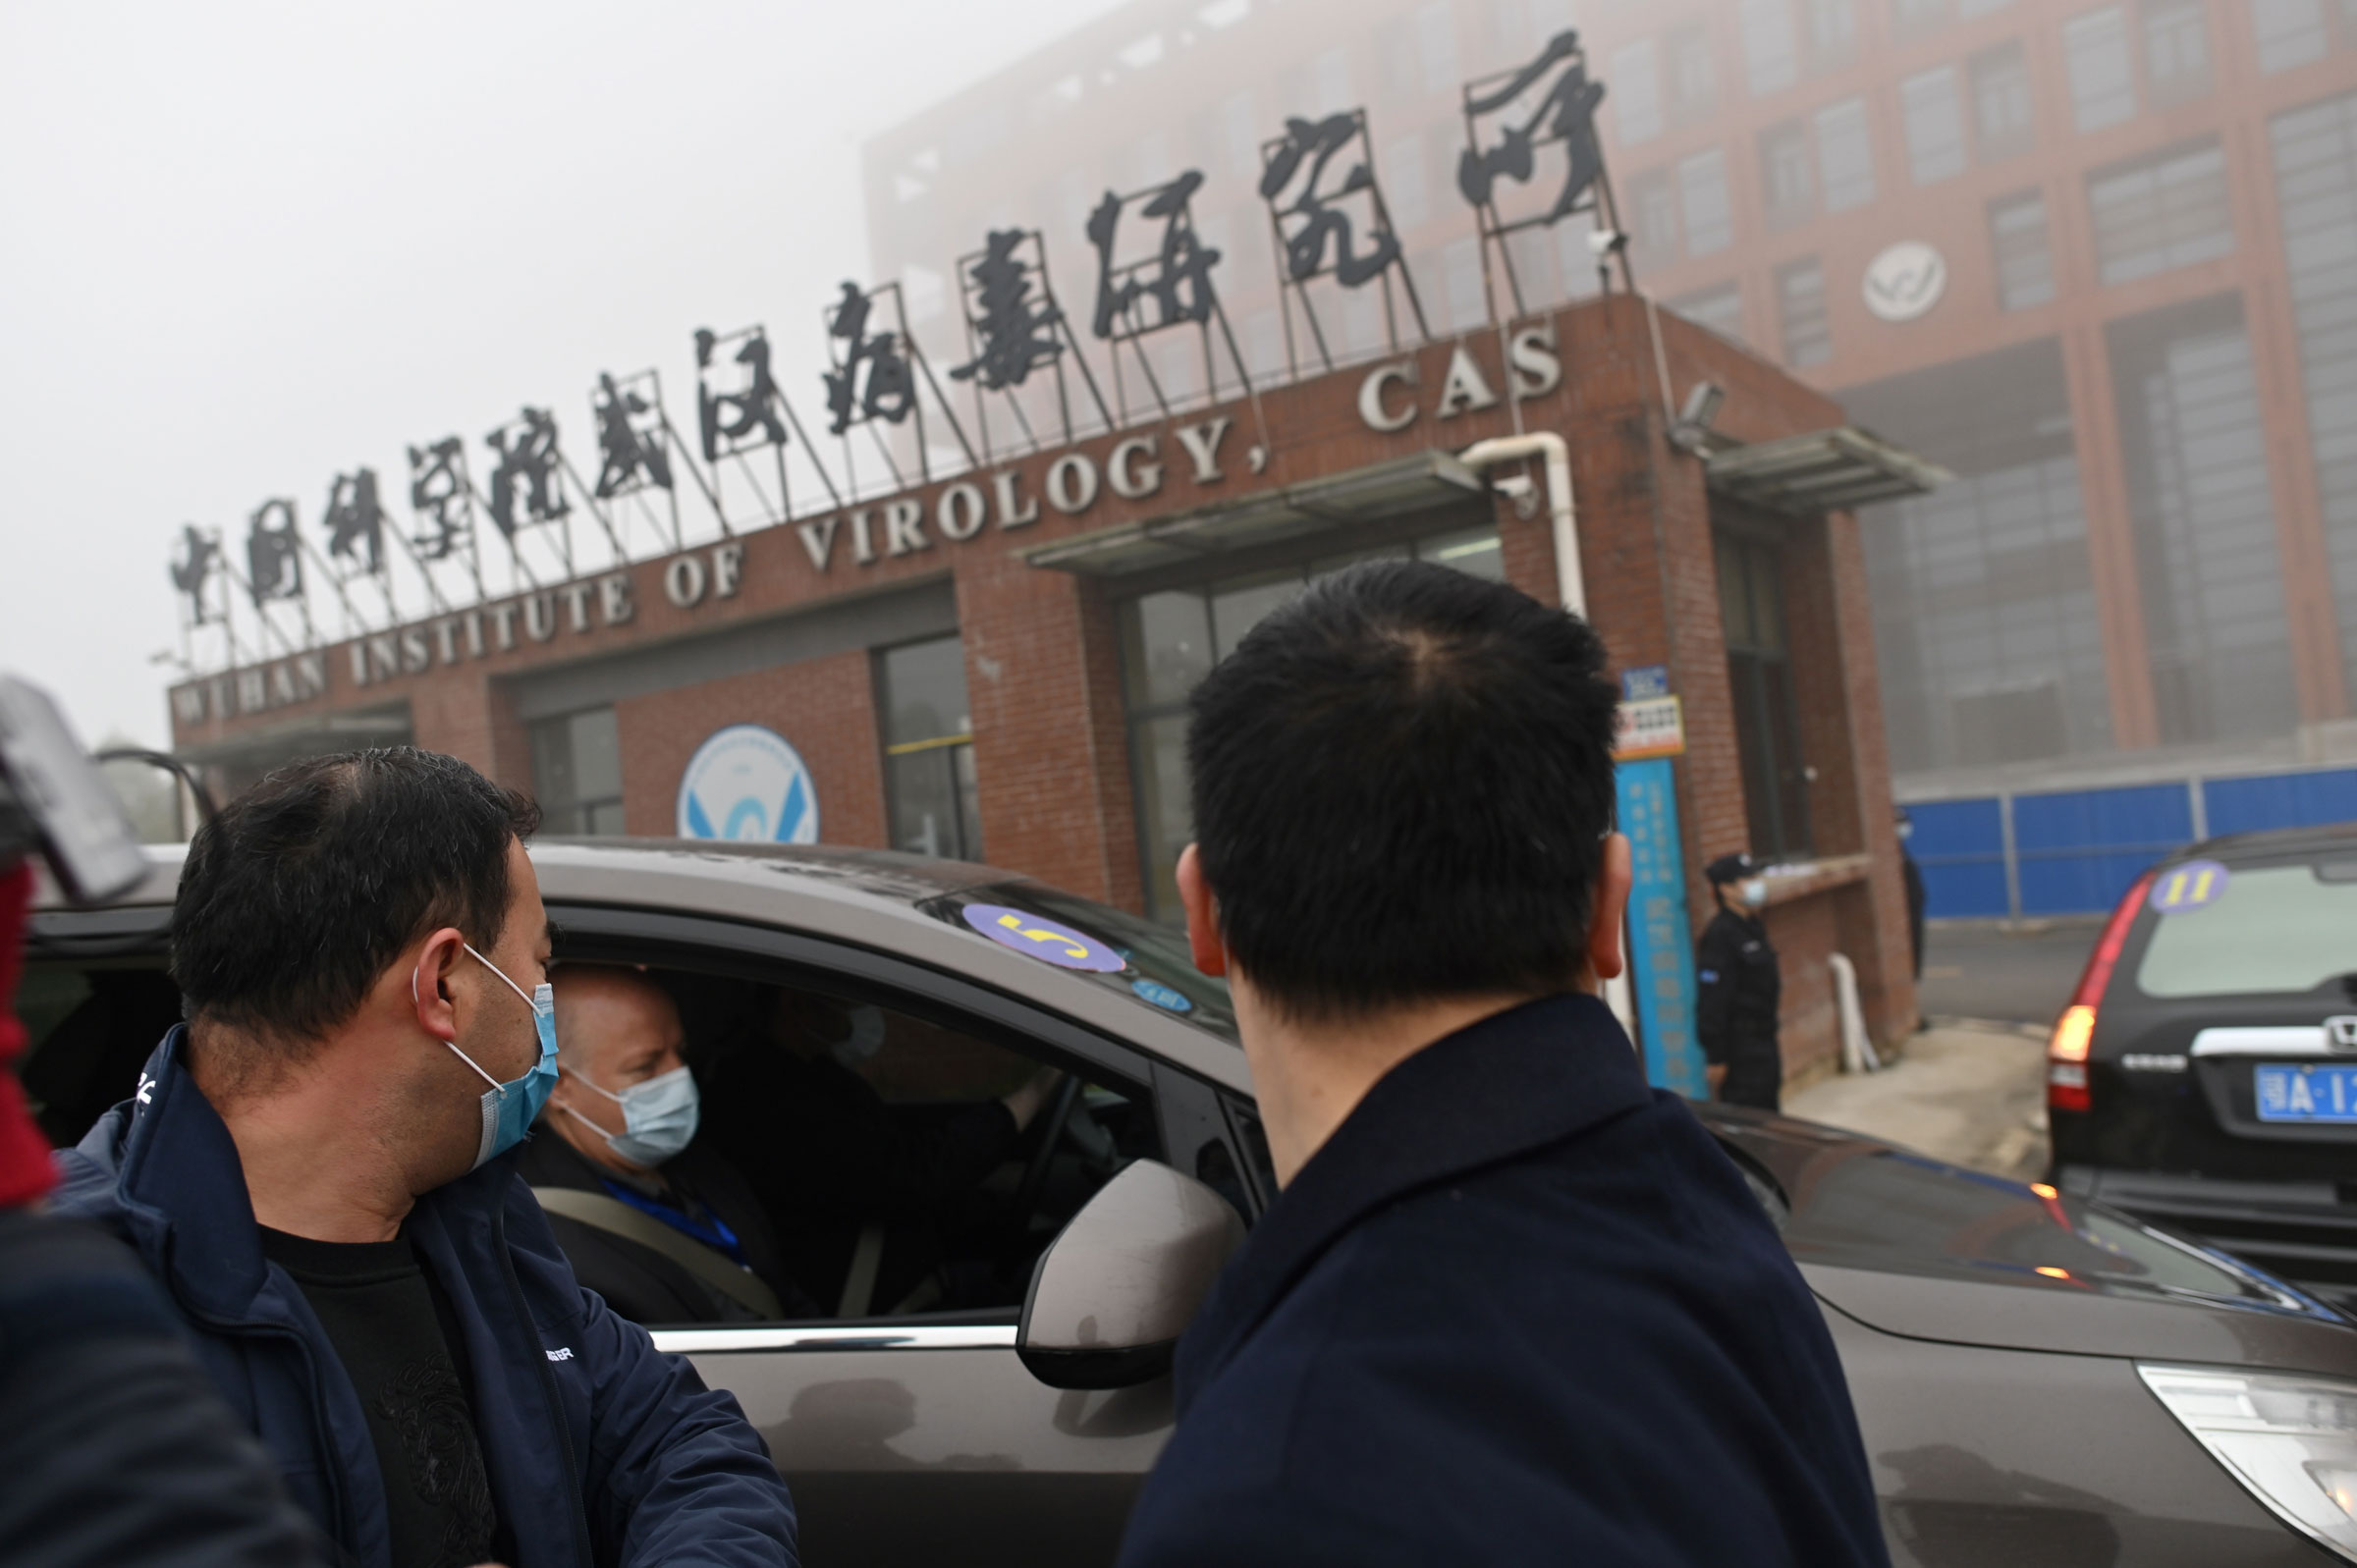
(1661,949)
(1653,726)
(746,783)
(1905,281)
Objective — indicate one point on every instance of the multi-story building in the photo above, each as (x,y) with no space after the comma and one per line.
(2099,258)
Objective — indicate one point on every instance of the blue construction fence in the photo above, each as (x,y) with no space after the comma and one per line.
(2075,852)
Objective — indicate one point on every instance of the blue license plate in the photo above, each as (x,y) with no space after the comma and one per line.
(2325,1094)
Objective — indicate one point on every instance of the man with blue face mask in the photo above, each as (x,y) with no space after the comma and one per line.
(656,1222)
(321,1169)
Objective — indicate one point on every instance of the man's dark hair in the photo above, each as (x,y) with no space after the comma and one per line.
(299,894)
(1403,780)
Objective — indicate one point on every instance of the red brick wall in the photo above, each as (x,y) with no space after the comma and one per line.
(825,708)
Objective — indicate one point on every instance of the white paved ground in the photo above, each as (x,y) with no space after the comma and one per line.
(1972,1094)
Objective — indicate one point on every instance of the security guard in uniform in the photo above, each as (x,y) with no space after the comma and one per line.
(1739,985)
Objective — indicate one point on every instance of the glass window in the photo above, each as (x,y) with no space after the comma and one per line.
(1832,33)
(2017,241)
(1800,307)
(2282,930)
(1934,116)
(577,773)
(2177,50)
(1759,675)
(1709,218)
(1788,184)
(2102,79)
(1771,49)
(1693,84)
(1720,309)
(1636,80)
(2168,210)
(1653,211)
(1170,641)
(2289,33)
(2001,102)
(929,782)
(1844,155)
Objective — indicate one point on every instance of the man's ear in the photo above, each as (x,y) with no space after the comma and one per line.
(1202,906)
(1608,908)
(430,991)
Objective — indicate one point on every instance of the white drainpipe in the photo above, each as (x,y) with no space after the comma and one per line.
(1483,455)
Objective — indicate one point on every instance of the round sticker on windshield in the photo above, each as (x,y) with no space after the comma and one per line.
(1162,996)
(1046,940)
(2190,886)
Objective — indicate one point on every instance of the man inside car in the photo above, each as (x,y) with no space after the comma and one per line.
(653,1220)
(320,1168)
(1510,1305)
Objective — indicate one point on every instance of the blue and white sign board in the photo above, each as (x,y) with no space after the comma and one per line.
(746,782)
(1644,682)
(1661,944)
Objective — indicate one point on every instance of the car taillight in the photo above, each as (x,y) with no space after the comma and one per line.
(2066,1085)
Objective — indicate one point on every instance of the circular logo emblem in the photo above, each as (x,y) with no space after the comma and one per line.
(1162,996)
(746,783)
(1905,281)
(2189,887)
(1048,940)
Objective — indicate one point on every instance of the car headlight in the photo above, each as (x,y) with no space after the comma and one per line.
(2289,1437)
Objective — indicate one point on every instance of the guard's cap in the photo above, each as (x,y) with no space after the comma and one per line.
(1728,868)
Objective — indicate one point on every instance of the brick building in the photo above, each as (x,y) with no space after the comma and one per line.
(990,665)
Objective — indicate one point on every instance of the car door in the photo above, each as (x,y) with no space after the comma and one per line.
(920,1437)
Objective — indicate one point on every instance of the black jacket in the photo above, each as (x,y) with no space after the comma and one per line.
(1739,988)
(1518,1309)
(114,1447)
(638,1281)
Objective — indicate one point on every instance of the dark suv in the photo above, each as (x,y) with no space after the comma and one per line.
(2205,1073)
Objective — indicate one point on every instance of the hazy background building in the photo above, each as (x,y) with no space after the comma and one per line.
(2122,309)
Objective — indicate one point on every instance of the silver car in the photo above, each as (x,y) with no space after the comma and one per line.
(2039,1380)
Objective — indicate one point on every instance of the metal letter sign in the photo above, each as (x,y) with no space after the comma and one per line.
(1547,103)
(891,389)
(730,419)
(1168,287)
(199,557)
(356,524)
(1012,334)
(442,496)
(273,554)
(526,471)
(631,455)
(1316,229)
(1661,949)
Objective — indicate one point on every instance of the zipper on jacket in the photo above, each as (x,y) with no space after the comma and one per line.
(586,1553)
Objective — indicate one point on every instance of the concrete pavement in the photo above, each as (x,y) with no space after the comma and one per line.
(1972,1094)
(2018,972)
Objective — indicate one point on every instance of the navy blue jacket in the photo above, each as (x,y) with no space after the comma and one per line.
(1518,1309)
(601,1449)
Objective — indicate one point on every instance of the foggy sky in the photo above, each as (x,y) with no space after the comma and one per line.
(246,246)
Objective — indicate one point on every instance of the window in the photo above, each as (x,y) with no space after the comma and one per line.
(2281,929)
(1832,33)
(2001,102)
(1787,183)
(1935,117)
(2102,79)
(1751,609)
(1844,155)
(577,773)
(1653,211)
(1694,88)
(1170,640)
(1702,198)
(1720,309)
(2166,211)
(1771,51)
(2289,33)
(2177,50)
(929,749)
(1636,82)
(2025,258)
(1800,309)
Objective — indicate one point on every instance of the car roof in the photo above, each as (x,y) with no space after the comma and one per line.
(865,897)
(2275,843)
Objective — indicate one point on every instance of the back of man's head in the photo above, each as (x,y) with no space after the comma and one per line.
(306,887)
(1403,781)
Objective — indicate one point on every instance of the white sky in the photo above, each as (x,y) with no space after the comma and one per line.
(246,247)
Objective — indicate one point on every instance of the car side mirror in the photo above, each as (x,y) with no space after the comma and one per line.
(1115,1290)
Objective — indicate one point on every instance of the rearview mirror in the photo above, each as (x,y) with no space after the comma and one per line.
(1113,1293)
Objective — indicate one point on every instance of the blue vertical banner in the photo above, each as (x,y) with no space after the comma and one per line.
(1661,943)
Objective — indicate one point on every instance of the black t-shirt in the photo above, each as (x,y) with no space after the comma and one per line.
(400,1341)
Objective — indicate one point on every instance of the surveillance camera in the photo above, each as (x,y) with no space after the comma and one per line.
(1602,243)
(1518,488)
(1702,404)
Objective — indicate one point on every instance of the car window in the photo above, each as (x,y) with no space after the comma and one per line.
(92,1024)
(2272,929)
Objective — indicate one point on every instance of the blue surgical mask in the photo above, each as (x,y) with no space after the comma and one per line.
(509,1109)
(659,1116)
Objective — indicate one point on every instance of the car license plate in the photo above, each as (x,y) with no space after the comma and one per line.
(2306,1094)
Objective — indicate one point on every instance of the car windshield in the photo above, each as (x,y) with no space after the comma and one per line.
(2272,929)
(1156,972)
